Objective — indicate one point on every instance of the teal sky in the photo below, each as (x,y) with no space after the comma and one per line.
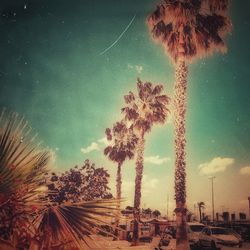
(52,72)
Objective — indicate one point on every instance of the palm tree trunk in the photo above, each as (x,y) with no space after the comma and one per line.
(180,93)
(138,183)
(200,212)
(118,196)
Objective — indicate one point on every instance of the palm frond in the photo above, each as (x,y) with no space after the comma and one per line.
(72,222)
(21,160)
(122,141)
(22,168)
(146,108)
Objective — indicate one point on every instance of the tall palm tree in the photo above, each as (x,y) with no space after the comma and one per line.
(144,109)
(201,205)
(122,143)
(187,29)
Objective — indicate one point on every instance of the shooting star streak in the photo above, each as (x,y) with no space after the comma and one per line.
(119,37)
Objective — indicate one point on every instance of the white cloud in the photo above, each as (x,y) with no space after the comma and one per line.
(245,170)
(216,165)
(156,160)
(104,141)
(138,68)
(92,147)
(95,146)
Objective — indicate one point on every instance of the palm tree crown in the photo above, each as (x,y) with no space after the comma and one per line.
(190,28)
(149,107)
(122,142)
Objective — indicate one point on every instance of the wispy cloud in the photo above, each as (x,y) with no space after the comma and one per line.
(245,170)
(216,165)
(92,147)
(103,141)
(95,146)
(148,186)
(156,160)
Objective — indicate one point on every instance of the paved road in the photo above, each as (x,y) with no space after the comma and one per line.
(245,246)
(171,246)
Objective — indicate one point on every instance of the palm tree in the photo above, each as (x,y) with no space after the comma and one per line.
(22,168)
(144,110)
(122,146)
(187,29)
(156,213)
(201,205)
(27,216)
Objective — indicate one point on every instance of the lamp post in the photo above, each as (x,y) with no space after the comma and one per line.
(249,206)
(212,182)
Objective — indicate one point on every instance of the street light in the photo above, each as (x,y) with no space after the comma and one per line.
(212,182)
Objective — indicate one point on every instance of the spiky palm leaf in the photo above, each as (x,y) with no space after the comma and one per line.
(22,168)
(70,224)
(22,163)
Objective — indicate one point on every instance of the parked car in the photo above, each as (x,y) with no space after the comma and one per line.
(245,234)
(194,229)
(243,230)
(216,237)
(146,239)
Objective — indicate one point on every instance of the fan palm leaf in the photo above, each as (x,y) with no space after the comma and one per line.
(22,167)
(22,163)
(71,223)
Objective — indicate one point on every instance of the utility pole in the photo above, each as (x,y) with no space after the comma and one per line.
(249,206)
(212,182)
(167,205)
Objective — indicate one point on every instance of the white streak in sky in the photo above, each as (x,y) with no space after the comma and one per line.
(119,37)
